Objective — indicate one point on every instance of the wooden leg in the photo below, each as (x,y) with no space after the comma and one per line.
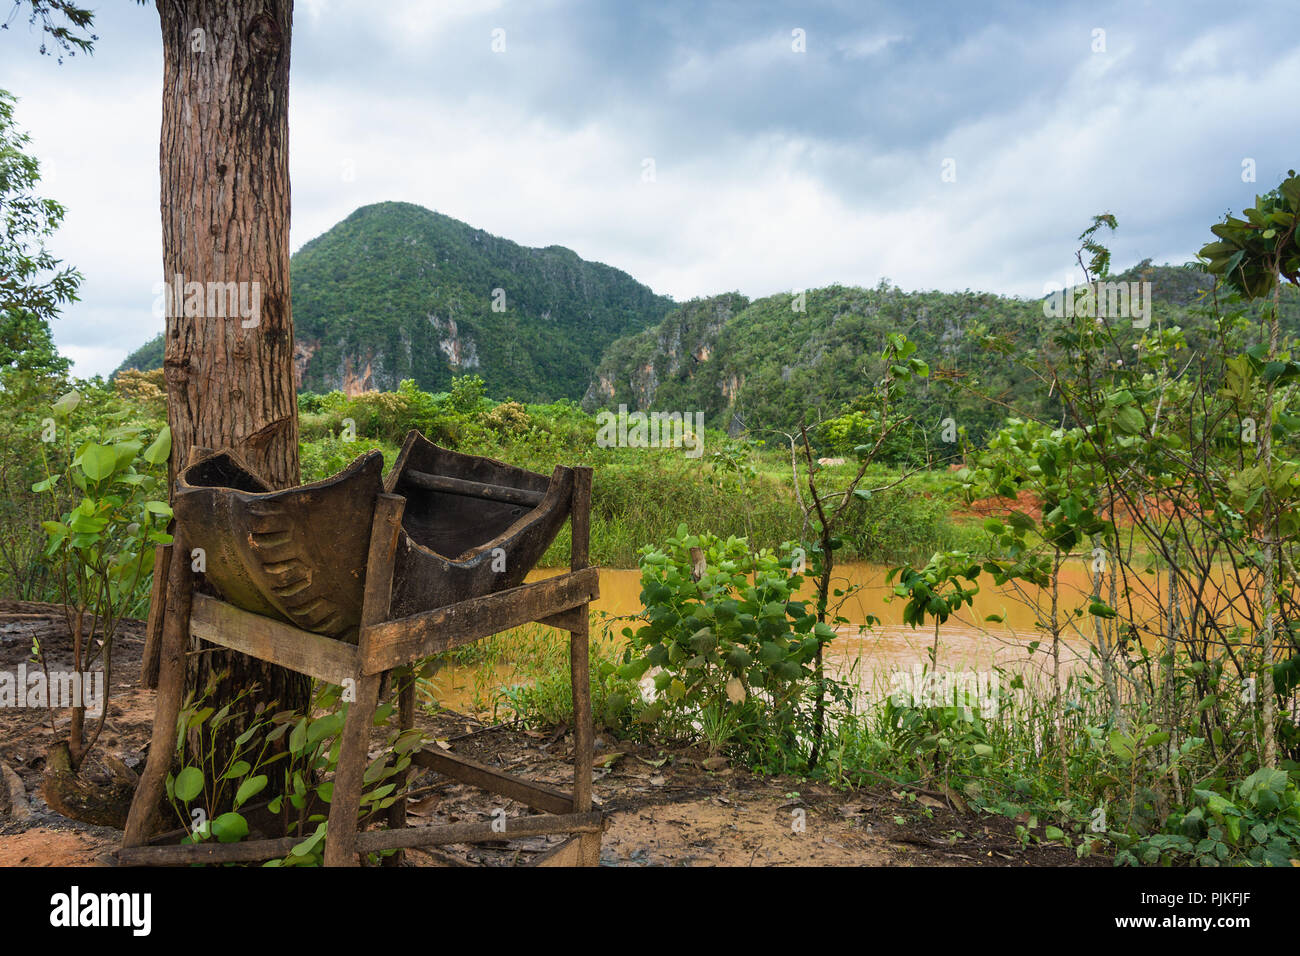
(588,843)
(405,679)
(157,613)
(141,820)
(354,746)
(354,751)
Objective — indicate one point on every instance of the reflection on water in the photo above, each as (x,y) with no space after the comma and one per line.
(965,640)
(968,640)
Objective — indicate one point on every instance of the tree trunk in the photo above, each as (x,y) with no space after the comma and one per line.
(225,216)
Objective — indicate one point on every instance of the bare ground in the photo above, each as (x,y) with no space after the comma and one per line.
(663,807)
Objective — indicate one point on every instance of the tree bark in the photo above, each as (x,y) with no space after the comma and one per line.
(225,218)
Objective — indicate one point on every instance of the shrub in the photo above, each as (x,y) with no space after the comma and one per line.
(731,651)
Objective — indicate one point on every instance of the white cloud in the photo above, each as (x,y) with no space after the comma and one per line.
(866,45)
(1148,131)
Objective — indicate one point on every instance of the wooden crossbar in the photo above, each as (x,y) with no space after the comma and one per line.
(393,643)
(371,841)
(511,828)
(315,655)
(535,795)
(474,489)
(397,642)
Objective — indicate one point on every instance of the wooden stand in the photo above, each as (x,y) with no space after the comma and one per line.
(383,646)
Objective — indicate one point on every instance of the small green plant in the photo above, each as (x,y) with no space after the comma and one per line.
(100,550)
(731,650)
(303,750)
(1255,822)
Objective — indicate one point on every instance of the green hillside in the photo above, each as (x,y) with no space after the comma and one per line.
(396,291)
(764,364)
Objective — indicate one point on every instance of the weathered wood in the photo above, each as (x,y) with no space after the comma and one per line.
(398,642)
(405,679)
(475,489)
(249,851)
(568,853)
(457,547)
(588,844)
(515,827)
(270,640)
(580,520)
(13,784)
(588,825)
(295,554)
(158,594)
(341,840)
(566,620)
(162,556)
(582,735)
(378,596)
(167,705)
(588,849)
(531,794)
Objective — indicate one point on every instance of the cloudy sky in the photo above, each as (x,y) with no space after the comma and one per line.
(774,167)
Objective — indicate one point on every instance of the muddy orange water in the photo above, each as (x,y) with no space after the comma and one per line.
(967,640)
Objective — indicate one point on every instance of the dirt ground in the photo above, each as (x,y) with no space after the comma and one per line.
(663,808)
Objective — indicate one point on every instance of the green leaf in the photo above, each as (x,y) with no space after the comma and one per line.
(249,788)
(298,738)
(1129,419)
(324,727)
(65,405)
(1121,745)
(306,846)
(230,828)
(98,461)
(189,784)
(161,448)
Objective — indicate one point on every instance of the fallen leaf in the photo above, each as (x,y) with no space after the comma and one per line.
(607,760)
(714,763)
(735,690)
(421,808)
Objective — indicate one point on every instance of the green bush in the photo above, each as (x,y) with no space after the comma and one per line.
(732,650)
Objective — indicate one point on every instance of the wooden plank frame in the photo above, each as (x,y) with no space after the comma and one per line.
(386,648)
(270,640)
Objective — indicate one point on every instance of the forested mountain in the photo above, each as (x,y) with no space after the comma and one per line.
(396,291)
(766,364)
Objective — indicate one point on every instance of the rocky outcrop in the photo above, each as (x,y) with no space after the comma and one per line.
(635,368)
(461,352)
